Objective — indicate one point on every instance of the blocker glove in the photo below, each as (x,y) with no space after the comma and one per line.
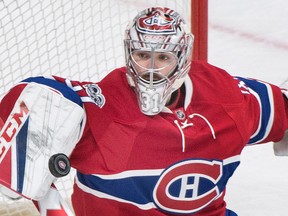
(281,147)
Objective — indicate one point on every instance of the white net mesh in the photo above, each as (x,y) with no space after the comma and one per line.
(80,40)
(76,39)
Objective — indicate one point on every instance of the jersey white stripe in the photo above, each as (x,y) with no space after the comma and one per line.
(131,173)
(271,116)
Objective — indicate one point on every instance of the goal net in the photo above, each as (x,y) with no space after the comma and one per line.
(79,40)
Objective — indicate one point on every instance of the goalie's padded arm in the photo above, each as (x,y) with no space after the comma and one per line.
(56,86)
(9,99)
(41,117)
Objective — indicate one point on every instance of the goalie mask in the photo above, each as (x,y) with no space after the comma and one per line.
(158,51)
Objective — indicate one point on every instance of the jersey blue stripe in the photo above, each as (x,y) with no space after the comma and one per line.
(126,188)
(230,213)
(262,91)
(61,87)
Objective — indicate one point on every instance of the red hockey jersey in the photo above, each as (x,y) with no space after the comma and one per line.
(177,162)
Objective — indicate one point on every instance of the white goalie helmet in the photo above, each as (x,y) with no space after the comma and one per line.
(158,53)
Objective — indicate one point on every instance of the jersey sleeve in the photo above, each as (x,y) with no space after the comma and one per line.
(267,108)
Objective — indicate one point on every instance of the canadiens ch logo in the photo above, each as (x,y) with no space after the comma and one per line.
(188,186)
(95,93)
(160,23)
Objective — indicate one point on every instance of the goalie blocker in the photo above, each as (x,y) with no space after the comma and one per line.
(281,148)
(27,143)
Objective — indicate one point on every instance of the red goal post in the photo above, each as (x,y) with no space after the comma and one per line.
(199,23)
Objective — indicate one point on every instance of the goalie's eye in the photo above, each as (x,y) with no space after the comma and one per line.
(155,60)
(141,56)
(164,57)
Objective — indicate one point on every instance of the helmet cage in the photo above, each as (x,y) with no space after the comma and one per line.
(157,30)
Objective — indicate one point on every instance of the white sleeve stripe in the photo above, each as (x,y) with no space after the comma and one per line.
(264,129)
(131,173)
(260,106)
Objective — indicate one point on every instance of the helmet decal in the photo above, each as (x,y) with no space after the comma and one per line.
(157,23)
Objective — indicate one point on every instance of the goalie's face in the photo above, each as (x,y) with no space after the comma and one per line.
(154,74)
(153,67)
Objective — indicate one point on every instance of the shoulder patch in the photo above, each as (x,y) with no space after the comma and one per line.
(95,94)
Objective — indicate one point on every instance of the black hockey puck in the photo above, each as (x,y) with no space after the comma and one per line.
(59,165)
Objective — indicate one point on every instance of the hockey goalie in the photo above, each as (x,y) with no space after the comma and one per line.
(160,136)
